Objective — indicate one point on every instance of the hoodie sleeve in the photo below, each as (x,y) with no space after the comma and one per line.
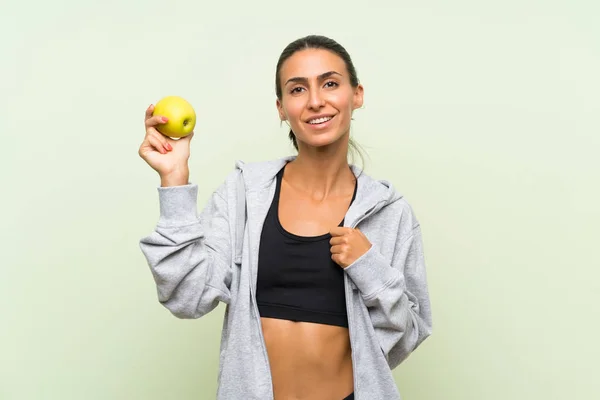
(189,255)
(396,295)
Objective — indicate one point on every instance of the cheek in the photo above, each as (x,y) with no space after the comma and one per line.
(342,102)
(294,108)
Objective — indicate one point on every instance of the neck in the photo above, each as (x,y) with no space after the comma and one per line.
(321,172)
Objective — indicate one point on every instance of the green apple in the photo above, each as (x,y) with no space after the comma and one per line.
(181,115)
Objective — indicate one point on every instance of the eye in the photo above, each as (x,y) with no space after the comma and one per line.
(331,84)
(297,89)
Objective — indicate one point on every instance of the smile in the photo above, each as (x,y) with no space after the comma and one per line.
(321,120)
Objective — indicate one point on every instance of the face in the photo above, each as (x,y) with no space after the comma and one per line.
(317,98)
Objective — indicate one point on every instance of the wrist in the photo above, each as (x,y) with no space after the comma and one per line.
(178,177)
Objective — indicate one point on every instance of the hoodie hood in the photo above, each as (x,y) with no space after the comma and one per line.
(371,194)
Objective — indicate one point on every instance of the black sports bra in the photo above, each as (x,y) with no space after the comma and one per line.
(297,279)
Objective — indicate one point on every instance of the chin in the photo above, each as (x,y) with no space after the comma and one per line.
(321,140)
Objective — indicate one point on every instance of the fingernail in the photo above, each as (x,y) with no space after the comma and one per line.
(168,146)
(164,119)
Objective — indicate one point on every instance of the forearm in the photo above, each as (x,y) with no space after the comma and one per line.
(396,296)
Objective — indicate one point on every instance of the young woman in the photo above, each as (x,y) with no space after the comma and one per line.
(330,292)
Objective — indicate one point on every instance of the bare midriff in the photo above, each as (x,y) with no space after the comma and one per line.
(308,361)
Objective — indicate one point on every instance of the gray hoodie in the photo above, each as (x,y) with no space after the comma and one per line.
(193,260)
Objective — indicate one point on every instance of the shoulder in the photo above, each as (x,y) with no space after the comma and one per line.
(397,210)
(407,221)
(250,175)
(256,174)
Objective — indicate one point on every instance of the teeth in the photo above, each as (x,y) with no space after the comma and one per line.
(319,120)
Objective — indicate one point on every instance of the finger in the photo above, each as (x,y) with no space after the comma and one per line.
(338,249)
(340,231)
(336,259)
(335,240)
(156,120)
(149,111)
(161,138)
(154,131)
(156,143)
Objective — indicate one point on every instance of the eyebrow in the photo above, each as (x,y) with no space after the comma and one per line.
(320,77)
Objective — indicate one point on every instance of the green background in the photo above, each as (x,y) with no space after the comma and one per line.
(483,114)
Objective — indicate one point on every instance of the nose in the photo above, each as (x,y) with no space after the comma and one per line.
(315,100)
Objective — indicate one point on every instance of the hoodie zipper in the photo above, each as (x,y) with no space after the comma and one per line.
(263,345)
(367,214)
(349,304)
(253,298)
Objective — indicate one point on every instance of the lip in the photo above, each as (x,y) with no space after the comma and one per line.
(323,125)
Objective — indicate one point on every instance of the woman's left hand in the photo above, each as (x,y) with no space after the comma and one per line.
(347,245)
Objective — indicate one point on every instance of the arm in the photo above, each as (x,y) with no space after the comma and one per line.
(396,296)
(189,255)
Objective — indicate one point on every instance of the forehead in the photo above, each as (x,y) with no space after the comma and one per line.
(309,63)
